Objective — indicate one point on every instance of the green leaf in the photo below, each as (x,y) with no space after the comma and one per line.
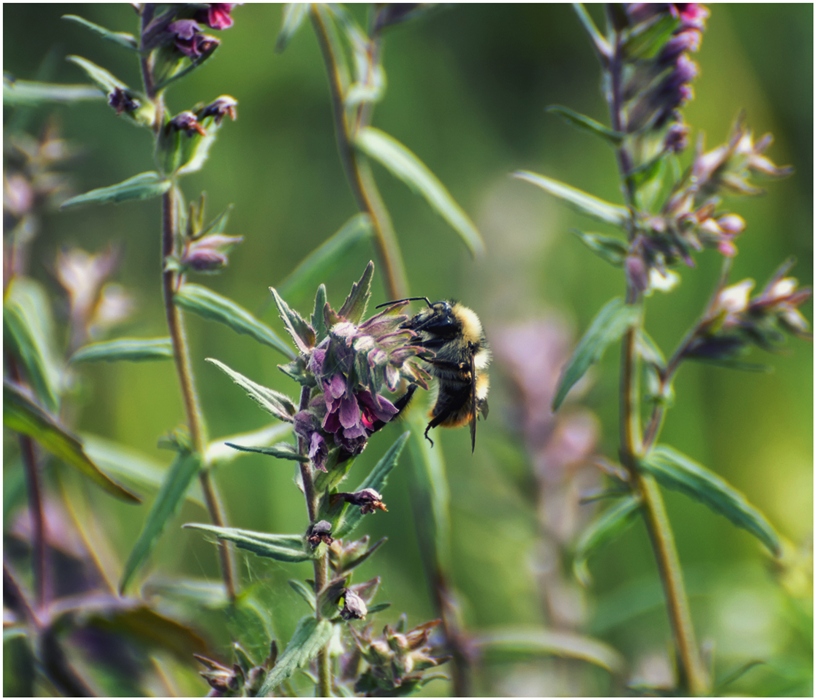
(305,592)
(290,548)
(143,186)
(285,451)
(608,525)
(309,638)
(608,248)
(430,498)
(27,93)
(516,644)
(168,500)
(103,79)
(297,327)
(648,39)
(598,41)
(578,199)
(214,307)
(121,38)
(219,453)
(677,471)
(28,329)
(198,593)
(133,467)
(350,516)
(325,259)
(649,351)
(24,416)
(583,122)
(279,405)
(404,165)
(608,326)
(130,349)
(354,307)
(293,15)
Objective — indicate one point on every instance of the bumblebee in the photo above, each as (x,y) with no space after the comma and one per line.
(458,359)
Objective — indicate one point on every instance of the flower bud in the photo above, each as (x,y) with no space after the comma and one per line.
(320,532)
(122,101)
(188,123)
(354,606)
(216,15)
(219,108)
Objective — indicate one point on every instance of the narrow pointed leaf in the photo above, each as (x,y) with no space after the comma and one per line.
(293,15)
(578,199)
(103,79)
(608,525)
(168,500)
(645,42)
(318,317)
(297,327)
(218,451)
(29,332)
(608,326)
(126,349)
(143,186)
(608,248)
(325,259)
(198,593)
(132,467)
(308,639)
(525,643)
(350,516)
(282,451)
(649,351)
(290,548)
(583,122)
(24,416)
(676,471)
(279,405)
(28,93)
(120,38)
(305,592)
(403,164)
(214,307)
(598,41)
(354,307)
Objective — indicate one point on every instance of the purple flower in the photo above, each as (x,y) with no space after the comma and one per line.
(209,253)
(220,108)
(188,123)
(217,15)
(189,40)
(122,101)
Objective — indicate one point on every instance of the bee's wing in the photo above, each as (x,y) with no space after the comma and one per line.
(472,403)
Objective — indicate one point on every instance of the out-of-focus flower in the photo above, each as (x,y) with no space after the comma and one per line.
(354,607)
(95,305)
(736,320)
(395,661)
(216,15)
(188,123)
(208,253)
(122,101)
(188,39)
(219,108)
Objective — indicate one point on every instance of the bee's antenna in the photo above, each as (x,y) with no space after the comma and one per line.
(397,301)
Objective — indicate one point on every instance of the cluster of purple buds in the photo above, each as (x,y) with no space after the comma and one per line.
(737,320)
(396,659)
(350,368)
(660,77)
(242,679)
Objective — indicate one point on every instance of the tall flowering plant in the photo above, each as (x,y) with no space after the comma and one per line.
(669,216)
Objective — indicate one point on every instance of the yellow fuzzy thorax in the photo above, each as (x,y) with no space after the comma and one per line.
(471,325)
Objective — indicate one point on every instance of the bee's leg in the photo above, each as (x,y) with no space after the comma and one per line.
(430,425)
(401,404)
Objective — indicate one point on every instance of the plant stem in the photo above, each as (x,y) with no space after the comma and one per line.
(632,446)
(321,565)
(358,174)
(181,353)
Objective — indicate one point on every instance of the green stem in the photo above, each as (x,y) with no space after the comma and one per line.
(181,353)
(321,565)
(358,173)
(632,446)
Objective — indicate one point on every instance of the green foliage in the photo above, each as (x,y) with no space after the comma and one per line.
(215,307)
(124,39)
(139,187)
(607,327)
(677,471)
(179,476)
(279,405)
(126,349)
(307,640)
(288,548)
(23,415)
(585,123)
(402,163)
(103,79)
(294,13)
(29,93)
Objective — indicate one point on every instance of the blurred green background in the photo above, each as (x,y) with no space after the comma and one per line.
(467,90)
